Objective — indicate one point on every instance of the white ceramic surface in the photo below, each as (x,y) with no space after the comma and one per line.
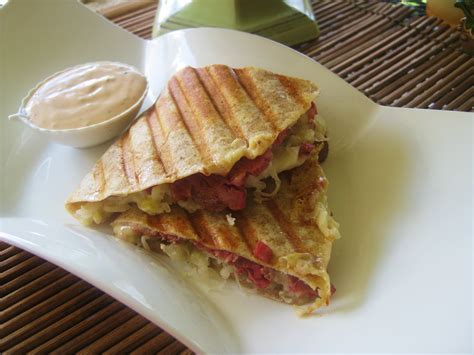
(400,186)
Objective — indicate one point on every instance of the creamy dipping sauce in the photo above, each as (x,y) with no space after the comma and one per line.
(85,95)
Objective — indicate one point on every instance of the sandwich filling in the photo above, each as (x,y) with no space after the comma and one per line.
(266,280)
(215,192)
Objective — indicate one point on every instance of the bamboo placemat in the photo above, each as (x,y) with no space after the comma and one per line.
(393,57)
(45,309)
(384,50)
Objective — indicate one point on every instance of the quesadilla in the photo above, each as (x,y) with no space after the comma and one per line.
(213,133)
(280,248)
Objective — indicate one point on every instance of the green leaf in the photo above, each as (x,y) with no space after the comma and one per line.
(467,6)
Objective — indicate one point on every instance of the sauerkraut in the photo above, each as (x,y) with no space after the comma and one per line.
(287,156)
(230,219)
(127,234)
(327,225)
(203,263)
(158,199)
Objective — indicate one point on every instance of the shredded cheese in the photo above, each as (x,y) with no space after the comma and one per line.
(127,234)
(145,244)
(158,201)
(189,206)
(285,157)
(327,225)
(230,219)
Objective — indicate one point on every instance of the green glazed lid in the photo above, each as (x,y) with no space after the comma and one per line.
(286,21)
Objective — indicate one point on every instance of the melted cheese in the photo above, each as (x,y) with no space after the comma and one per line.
(127,234)
(189,205)
(156,202)
(285,157)
(327,225)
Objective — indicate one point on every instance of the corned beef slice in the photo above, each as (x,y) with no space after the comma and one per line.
(216,193)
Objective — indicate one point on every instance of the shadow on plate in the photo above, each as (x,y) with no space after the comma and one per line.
(367,191)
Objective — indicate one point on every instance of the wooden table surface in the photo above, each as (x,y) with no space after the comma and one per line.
(383,50)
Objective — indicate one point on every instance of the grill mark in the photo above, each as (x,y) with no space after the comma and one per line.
(186,219)
(228,233)
(246,232)
(291,89)
(154,222)
(128,165)
(254,95)
(183,225)
(174,225)
(221,238)
(175,89)
(203,236)
(225,114)
(198,225)
(285,226)
(156,155)
(101,178)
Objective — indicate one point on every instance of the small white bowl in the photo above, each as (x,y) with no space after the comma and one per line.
(87,136)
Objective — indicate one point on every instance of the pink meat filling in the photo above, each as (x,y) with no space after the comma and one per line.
(216,192)
(260,276)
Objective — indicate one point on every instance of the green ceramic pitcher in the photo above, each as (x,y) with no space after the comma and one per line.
(287,21)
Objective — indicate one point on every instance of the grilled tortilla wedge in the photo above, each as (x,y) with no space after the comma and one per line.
(213,133)
(280,247)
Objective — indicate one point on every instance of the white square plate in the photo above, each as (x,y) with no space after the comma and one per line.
(400,186)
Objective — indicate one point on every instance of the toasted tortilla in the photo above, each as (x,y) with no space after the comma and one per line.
(205,120)
(296,225)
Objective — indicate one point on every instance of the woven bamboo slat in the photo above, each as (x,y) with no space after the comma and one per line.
(382,49)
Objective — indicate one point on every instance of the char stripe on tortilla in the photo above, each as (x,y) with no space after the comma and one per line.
(205,121)
(294,232)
